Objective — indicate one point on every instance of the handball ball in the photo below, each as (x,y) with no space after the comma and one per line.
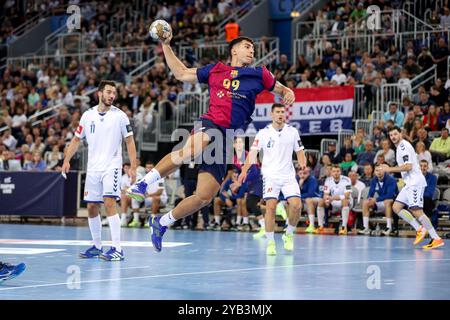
(160,30)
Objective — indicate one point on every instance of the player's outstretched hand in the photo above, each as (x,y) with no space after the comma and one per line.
(242,177)
(288,97)
(168,39)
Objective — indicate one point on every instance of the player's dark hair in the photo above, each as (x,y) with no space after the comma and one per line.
(334,166)
(395,128)
(126,164)
(277,105)
(150,163)
(424,161)
(105,83)
(445,129)
(236,41)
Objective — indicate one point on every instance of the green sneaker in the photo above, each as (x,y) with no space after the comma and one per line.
(271,249)
(288,240)
(310,229)
(134,224)
(147,224)
(261,233)
(281,211)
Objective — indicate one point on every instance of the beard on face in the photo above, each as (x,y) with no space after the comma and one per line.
(105,102)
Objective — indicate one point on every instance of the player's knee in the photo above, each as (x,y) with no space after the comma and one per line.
(397,207)
(205,199)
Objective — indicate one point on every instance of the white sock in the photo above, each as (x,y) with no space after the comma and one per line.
(429,226)
(123,216)
(245,220)
(290,229)
(321,216)
(152,176)
(167,219)
(408,217)
(261,223)
(270,236)
(217,219)
(389,223)
(366,222)
(95,225)
(345,214)
(311,219)
(238,219)
(136,216)
(114,226)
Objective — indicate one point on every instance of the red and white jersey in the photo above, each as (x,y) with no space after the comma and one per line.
(277,147)
(337,188)
(407,154)
(104,133)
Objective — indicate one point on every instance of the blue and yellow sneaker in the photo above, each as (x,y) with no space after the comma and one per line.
(10,271)
(113,255)
(157,233)
(92,252)
(137,190)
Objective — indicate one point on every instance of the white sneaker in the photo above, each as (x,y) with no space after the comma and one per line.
(123,220)
(386,232)
(104,222)
(365,232)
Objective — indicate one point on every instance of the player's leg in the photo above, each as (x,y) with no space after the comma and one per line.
(93,196)
(345,212)
(253,207)
(207,188)
(367,205)
(310,204)
(171,162)
(320,216)
(295,207)
(386,206)
(219,202)
(125,203)
(111,194)
(415,199)
(269,220)
(156,203)
(135,207)
(399,208)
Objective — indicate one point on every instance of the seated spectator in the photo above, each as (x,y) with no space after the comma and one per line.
(9,140)
(37,164)
(53,157)
(377,137)
(367,156)
(418,124)
(332,154)
(27,158)
(395,115)
(356,183)
(358,144)
(440,147)
(367,174)
(386,152)
(422,136)
(418,113)
(7,161)
(444,116)
(386,189)
(229,196)
(325,162)
(430,120)
(355,73)
(309,191)
(339,77)
(429,203)
(305,83)
(348,164)
(424,155)
(406,105)
(425,102)
(409,122)
(412,67)
(347,148)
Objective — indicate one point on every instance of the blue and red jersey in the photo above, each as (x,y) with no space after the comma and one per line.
(233,92)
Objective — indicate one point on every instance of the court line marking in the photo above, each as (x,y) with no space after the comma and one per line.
(113,269)
(219,271)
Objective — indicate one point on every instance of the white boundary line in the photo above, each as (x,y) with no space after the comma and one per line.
(219,271)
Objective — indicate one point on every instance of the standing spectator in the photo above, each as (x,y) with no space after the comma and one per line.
(424,155)
(429,203)
(425,60)
(440,58)
(430,120)
(445,19)
(37,164)
(394,114)
(440,147)
(231,30)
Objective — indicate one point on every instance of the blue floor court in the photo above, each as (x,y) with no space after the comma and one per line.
(221,265)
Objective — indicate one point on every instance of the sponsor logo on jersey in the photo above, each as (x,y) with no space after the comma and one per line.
(234,73)
(129,128)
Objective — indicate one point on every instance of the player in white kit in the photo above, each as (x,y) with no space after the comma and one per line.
(411,196)
(278,141)
(104,127)
(337,194)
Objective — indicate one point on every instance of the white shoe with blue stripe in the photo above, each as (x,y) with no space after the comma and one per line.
(113,255)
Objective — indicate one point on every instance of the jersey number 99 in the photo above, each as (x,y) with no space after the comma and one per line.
(227,83)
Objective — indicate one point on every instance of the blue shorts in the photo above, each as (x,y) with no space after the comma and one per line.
(218,167)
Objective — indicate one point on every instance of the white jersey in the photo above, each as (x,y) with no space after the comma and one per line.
(340,188)
(154,187)
(406,154)
(278,146)
(104,133)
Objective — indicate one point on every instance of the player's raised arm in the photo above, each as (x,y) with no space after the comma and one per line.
(179,70)
(286,94)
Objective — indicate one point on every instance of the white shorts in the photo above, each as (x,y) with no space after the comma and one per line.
(412,197)
(336,205)
(380,207)
(273,187)
(147,202)
(101,184)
